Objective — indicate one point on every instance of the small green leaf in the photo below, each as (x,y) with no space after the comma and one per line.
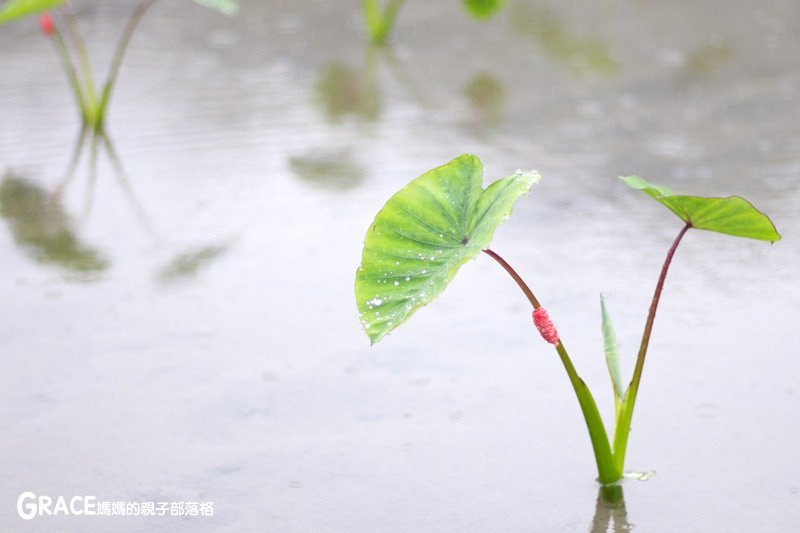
(483,9)
(424,233)
(228,7)
(732,215)
(612,351)
(15,9)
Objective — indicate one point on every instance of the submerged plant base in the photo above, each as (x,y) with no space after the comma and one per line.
(611,495)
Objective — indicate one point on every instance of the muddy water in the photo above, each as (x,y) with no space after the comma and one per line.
(190,334)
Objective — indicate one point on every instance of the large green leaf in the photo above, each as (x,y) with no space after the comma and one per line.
(228,7)
(483,9)
(15,9)
(422,236)
(612,351)
(732,215)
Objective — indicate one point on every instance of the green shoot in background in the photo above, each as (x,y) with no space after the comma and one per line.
(92,101)
(380,15)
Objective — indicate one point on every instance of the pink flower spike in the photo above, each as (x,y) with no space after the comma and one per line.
(46,24)
(545,326)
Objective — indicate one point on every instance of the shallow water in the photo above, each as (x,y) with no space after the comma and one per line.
(195,337)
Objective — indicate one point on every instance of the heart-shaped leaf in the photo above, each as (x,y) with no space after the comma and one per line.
(732,215)
(424,233)
(15,9)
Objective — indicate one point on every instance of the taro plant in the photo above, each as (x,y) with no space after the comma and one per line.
(58,22)
(444,218)
(92,100)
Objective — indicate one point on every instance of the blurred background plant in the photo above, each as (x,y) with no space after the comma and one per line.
(380,17)
(58,22)
(42,228)
(92,101)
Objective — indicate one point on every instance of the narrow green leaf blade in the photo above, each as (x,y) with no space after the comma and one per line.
(228,7)
(16,9)
(732,215)
(424,233)
(611,349)
(483,9)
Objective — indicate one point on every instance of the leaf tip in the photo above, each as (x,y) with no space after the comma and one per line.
(531,176)
(374,337)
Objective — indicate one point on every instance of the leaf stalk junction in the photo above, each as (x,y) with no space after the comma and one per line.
(610,459)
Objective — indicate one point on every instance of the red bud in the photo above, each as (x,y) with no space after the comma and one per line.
(545,326)
(46,24)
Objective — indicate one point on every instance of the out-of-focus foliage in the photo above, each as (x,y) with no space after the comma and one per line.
(16,9)
(43,229)
(483,9)
(229,7)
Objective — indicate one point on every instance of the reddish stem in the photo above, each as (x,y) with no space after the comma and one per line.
(651,315)
(516,277)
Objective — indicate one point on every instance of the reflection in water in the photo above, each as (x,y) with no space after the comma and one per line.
(487,98)
(43,229)
(579,54)
(703,60)
(397,68)
(188,264)
(610,515)
(342,90)
(96,140)
(329,169)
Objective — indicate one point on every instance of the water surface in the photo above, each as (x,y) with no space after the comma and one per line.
(192,335)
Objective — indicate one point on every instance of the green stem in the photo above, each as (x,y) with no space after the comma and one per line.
(372,18)
(516,277)
(69,69)
(607,473)
(624,422)
(390,15)
(122,46)
(380,21)
(83,59)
